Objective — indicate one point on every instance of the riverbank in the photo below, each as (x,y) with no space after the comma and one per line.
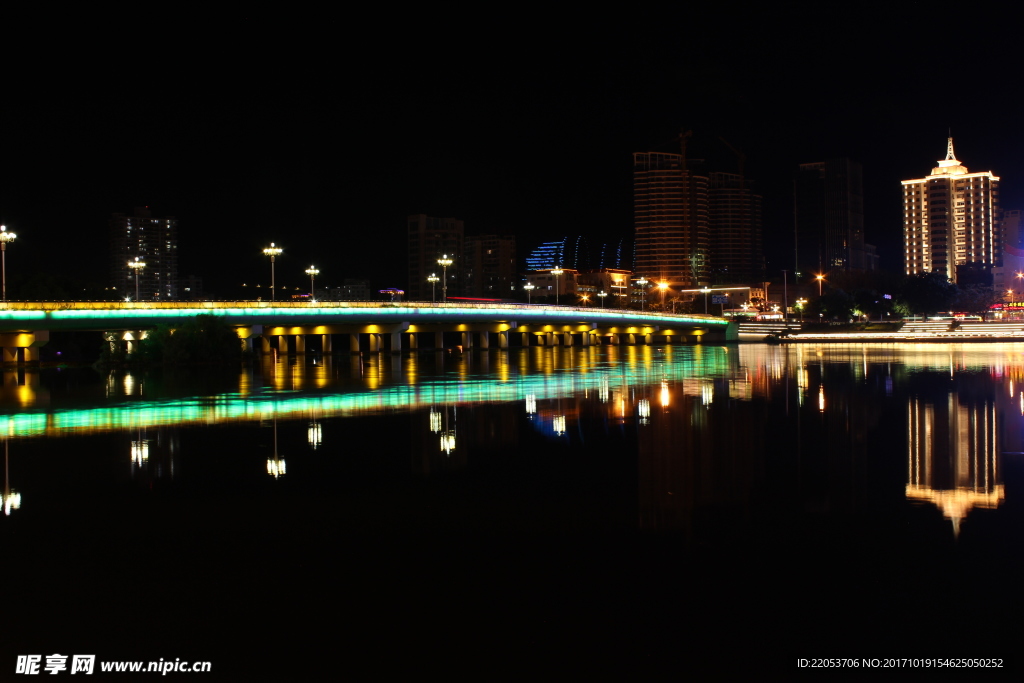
(941,331)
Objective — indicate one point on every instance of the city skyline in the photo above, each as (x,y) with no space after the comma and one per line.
(327,160)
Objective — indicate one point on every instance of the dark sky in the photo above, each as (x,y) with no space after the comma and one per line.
(321,133)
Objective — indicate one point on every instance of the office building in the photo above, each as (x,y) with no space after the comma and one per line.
(489,266)
(428,240)
(670,213)
(951,222)
(153,241)
(736,254)
(829,219)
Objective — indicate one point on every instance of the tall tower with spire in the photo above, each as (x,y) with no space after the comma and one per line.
(951,222)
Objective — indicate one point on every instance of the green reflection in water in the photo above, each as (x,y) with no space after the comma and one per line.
(562,373)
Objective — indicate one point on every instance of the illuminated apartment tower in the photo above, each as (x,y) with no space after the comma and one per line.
(670,213)
(951,219)
(155,242)
(430,239)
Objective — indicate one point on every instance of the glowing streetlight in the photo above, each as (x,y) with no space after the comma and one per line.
(820,279)
(5,237)
(273,252)
(444,262)
(557,271)
(137,266)
(529,290)
(432,279)
(643,288)
(602,294)
(705,291)
(663,286)
(312,272)
(584,298)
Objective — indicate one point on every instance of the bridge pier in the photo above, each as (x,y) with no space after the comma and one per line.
(485,342)
(503,339)
(327,346)
(396,342)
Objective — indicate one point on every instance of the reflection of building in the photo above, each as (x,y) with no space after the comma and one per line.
(155,242)
(829,217)
(430,239)
(952,456)
(950,222)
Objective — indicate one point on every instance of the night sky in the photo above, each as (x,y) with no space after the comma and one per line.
(323,133)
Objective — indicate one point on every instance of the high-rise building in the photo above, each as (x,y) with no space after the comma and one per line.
(951,221)
(153,241)
(430,239)
(829,219)
(489,266)
(734,216)
(670,213)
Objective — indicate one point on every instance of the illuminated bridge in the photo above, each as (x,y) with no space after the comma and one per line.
(365,326)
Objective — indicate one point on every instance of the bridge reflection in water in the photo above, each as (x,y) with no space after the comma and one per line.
(709,420)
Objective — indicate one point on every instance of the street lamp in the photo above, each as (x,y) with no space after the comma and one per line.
(820,279)
(643,289)
(312,272)
(602,294)
(444,262)
(529,290)
(556,271)
(705,291)
(663,286)
(5,237)
(432,279)
(272,251)
(584,298)
(137,266)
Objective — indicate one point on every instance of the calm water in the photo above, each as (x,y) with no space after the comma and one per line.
(554,510)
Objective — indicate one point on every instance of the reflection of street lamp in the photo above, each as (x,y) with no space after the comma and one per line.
(5,237)
(272,252)
(602,294)
(643,291)
(312,272)
(137,266)
(432,279)
(820,279)
(663,286)
(10,500)
(444,262)
(557,271)
(529,290)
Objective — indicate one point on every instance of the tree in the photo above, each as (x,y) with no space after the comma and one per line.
(976,299)
(927,293)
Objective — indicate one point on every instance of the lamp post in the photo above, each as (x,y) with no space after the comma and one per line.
(5,237)
(444,262)
(432,279)
(272,251)
(137,266)
(602,294)
(312,272)
(529,290)
(643,289)
(820,279)
(557,271)
(705,291)
(584,298)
